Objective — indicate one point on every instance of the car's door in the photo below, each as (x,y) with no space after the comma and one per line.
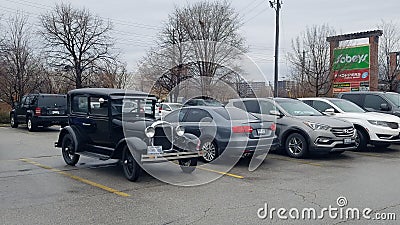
(21,110)
(199,122)
(99,121)
(79,113)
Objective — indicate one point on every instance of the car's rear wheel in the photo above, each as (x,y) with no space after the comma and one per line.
(68,150)
(131,168)
(188,165)
(30,124)
(296,146)
(382,145)
(210,150)
(361,140)
(13,121)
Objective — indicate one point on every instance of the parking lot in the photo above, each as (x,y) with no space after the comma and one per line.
(36,187)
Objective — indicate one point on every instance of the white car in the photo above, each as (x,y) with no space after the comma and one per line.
(167,107)
(378,129)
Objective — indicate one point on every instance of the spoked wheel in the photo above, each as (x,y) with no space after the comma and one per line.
(131,168)
(361,140)
(188,165)
(296,146)
(68,151)
(210,151)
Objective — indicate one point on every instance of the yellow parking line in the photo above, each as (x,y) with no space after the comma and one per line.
(297,161)
(219,172)
(80,179)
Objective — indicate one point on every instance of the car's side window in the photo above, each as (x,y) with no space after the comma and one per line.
(176,116)
(252,106)
(80,104)
(321,106)
(98,106)
(24,101)
(355,98)
(373,102)
(196,115)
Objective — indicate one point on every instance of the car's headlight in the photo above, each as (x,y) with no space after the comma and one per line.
(378,123)
(180,131)
(317,126)
(150,132)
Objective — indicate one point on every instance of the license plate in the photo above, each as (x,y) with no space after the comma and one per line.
(56,112)
(154,150)
(261,131)
(347,141)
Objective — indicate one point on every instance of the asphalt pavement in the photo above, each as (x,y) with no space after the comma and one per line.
(37,187)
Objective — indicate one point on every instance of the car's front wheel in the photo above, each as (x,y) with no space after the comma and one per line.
(210,150)
(188,165)
(296,146)
(13,121)
(68,150)
(361,140)
(131,168)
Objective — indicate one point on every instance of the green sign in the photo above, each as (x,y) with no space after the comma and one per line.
(351,58)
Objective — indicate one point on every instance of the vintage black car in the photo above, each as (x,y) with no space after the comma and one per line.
(120,124)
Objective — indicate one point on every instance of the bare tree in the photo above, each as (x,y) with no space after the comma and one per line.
(389,42)
(76,41)
(22,71)
(309,60)
(199,41)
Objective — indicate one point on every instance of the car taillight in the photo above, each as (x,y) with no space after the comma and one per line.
(242,129)
(38,111)
(159,109)
(273,127)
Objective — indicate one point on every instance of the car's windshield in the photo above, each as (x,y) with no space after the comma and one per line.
(298,108)
(394,98)
(347,106)
(131,105)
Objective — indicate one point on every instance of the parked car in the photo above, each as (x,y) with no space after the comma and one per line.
(203,101)
(225,129)
(378,129)
(166,107)
(40,110)
(374,101)
(114,124)
(300,128)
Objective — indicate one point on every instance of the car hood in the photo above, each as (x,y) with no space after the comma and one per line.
(369,116)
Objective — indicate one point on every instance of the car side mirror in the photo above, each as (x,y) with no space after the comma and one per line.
(330,111)
(384,107)
(275,113)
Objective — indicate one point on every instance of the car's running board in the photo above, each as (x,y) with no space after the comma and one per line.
(95,155)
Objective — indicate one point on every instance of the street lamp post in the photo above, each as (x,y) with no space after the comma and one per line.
(276,5)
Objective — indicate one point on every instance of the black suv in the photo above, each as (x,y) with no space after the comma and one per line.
(37,110)
(120,124)
(375,101)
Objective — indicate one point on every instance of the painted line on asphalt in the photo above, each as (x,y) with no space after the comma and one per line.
(296,161)
(219,172)
(80,179)
(37,157)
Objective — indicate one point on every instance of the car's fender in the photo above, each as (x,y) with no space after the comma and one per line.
(283,136)
(135,145)
(79,137)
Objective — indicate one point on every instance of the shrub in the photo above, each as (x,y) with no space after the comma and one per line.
(4,117)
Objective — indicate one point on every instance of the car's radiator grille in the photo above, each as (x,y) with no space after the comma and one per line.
(343,132)
(163,137)
(393,125)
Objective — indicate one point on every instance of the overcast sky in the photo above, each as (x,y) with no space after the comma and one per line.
(137,22)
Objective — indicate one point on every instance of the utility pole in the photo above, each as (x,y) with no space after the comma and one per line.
(276,5)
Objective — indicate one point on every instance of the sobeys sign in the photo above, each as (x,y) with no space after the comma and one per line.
(351,58)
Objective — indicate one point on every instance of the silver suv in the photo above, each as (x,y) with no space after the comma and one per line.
(300,128)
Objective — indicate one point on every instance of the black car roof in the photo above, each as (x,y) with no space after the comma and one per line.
(110,91)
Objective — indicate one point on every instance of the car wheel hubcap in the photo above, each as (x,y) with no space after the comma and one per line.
(129,163)
(29,124)
(69,150)
(357,139)
(12,120)
(209,151)
(295,146)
